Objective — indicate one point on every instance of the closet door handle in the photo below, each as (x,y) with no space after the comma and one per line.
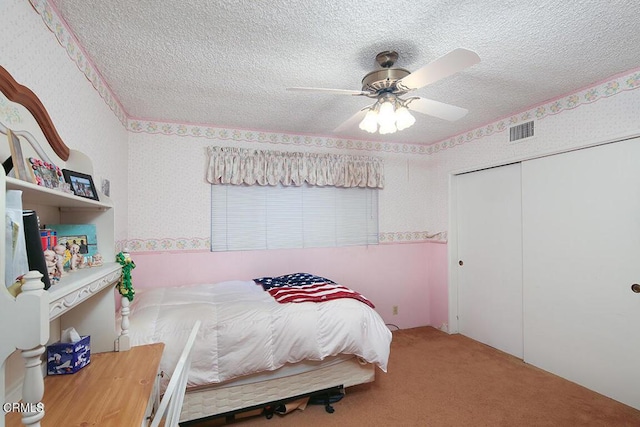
(635,288)
(461,263)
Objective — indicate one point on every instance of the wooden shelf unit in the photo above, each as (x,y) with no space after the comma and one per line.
(84,299)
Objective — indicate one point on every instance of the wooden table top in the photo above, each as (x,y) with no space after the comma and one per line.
(113,390)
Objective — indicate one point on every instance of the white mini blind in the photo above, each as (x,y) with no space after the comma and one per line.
(273,217)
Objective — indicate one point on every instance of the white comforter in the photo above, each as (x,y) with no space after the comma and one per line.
(244,330)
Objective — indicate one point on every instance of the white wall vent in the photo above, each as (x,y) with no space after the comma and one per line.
(520,132)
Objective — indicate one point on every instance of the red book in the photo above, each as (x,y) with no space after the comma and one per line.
(49,238)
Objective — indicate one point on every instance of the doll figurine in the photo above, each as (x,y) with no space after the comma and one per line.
(63,256)
(77,260)
(97,260)
(50,258)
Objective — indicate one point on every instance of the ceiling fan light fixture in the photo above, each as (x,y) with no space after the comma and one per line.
(387,84)
(387,114)
(404,118)
(370,121)
(387,128)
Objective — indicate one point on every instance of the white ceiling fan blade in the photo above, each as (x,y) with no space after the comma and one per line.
(352,122)
(451,63)
(335,91)
(437,109)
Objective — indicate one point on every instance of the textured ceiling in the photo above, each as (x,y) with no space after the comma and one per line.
(227,63)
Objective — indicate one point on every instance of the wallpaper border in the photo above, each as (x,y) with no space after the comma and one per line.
(73,48)
(202,244)
(625,82)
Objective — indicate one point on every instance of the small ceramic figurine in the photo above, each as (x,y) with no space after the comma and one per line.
(51,259)
(77,260)
(97,260)
(62,259)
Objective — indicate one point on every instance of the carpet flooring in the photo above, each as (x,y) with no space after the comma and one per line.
(436,379)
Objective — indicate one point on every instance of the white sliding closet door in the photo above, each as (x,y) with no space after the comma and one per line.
(581,251)
(489,230)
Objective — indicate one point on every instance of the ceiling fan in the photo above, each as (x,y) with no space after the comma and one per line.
(388,84)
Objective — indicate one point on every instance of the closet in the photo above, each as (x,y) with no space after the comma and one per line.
(573,309)
(490,247)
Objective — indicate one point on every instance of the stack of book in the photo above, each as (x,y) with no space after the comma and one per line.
(49,238)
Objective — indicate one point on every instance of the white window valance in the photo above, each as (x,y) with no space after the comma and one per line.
(237,166)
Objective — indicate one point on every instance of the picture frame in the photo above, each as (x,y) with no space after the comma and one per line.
(106,187)
(83,235)
(81,184)
(46,174)
(17,158)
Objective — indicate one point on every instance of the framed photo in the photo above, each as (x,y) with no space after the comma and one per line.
(81,184)
(82,235)
(106,185)
(46,174)
(19,165)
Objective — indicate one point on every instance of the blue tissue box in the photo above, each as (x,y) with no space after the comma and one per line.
(68,358)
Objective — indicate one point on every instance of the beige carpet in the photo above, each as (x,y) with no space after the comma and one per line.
(436,379)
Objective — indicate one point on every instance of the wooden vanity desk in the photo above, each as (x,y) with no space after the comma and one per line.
(113,390)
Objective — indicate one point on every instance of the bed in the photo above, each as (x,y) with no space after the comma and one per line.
(253,350)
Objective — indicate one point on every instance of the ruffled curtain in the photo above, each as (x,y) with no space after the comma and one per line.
(238,166)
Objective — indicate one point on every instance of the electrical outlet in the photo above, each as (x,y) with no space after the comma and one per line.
(395,310)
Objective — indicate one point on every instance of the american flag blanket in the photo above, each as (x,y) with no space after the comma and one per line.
(305,287)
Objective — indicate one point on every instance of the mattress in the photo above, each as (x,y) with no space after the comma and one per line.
(234,396)
(245,331)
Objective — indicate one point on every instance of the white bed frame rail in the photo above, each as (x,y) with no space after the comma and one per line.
(28,336)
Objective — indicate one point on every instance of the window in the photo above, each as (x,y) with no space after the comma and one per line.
(273,217)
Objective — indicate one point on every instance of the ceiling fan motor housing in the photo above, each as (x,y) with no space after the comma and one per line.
(384,80)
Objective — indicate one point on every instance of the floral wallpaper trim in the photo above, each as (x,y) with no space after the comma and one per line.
(622,83)
(204,243)
(121,245)
(8,113)
(228,134)
(629,81)
(168,244)
(412,237)
(68,41)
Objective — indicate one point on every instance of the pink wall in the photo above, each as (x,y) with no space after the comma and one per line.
(388,274)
